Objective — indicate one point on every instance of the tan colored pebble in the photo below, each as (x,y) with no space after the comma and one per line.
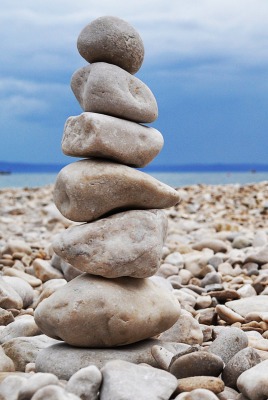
(211,383)
(107,312)
(6,364)
(128,97)
(227,314)
(30,367)
(32,280)
(103,136)
(259,344)
(87,189)
(162,356)
(44,270)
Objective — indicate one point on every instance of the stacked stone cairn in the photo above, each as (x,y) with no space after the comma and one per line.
(118,246)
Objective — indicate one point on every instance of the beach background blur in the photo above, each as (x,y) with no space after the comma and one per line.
(206,63)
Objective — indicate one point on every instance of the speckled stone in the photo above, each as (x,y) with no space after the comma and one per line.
(253,383)
(91,311)
(240,362)
(86,190)
(136,382)
(125,244)
(63,360)
(229,342)
(112,40)
(107,89)
(196,364)
(102,136)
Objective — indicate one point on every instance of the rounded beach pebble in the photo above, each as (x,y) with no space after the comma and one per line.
(124,244)
(108,89)
(91,311)
(88,189)
(112,40)
(103,136)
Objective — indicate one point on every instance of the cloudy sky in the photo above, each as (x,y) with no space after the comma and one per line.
(206,61)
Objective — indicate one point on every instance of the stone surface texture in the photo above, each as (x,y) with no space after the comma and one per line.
(24,350)
(212,383)
(229,342)
(125,244)
(107,89)
(85,383)
(111,40)
(64,360)
(196,364)
(91,311)
(253,383)
(240,362)
(136,382)
(103,136)
(249,304)
(185,330)
(88,189)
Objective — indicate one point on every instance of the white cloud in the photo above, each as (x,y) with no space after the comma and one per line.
(236,30)
(198,42)
(20,98)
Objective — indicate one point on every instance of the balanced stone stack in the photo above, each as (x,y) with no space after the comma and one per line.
(118,246)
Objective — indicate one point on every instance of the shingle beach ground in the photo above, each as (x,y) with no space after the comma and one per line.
(215,260)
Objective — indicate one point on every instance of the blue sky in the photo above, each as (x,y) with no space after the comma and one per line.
(206,61)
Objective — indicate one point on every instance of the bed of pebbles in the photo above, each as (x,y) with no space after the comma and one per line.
(215,261)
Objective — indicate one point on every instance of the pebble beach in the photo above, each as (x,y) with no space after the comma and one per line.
(214,261)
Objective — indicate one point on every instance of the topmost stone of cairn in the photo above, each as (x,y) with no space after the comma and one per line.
(112,40)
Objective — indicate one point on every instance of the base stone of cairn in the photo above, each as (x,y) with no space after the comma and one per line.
(113,308)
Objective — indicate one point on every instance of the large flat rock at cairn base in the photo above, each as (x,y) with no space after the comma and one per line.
(64,360)
(125,244)
(107,89)
(91,311)
(97,40)
(98,135)
(88,189)
(249,304)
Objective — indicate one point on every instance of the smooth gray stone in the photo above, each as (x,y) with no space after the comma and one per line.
(88,189)
(23,288)
(10,386)
(259,258)
(107,89)
(125,380)
(102,136)
(24,326)
(229,342)
(54,392)
(125,244)
(91,311)
(24,350)
(249,304)
(69,272)
(112,40)
(241,361)
(63,360)
(34,383)
(199,363)
(85,383)
(253,383)
(9,298)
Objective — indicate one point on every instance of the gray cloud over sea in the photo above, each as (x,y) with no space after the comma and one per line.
(204,51)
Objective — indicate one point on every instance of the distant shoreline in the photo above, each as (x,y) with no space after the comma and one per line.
(8,167)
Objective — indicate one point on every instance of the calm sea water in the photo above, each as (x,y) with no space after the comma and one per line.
(172,179)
